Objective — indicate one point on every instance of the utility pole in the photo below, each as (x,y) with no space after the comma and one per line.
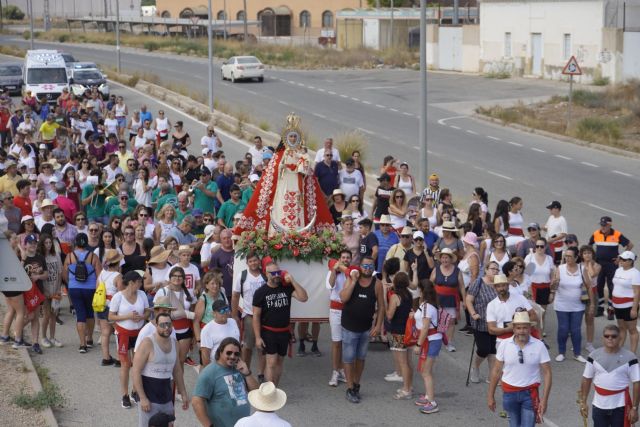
(210,62)
(105,8)
(244,20)
(224,7)
(31,23)
(422,135)
(46,16)
(455,12)
(391,27)
(118,35)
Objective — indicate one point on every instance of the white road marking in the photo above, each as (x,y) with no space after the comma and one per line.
(589,164)
(301,84)
(343,95)
(494,138)
(283,103)
(441,121)
(500,176)
(331,92)
(604,209)
(291,81)
(562,157)
(416,147)
(517,144)
(538,150)
(622,173)
(407,114)
(320,90)
(366,102)
(355,99)
(252,92)
(380,106)
(472,132)
(555,193)
(319,115)
(311,87)
(455,127)
(366,131)
(378,87)
(394,110)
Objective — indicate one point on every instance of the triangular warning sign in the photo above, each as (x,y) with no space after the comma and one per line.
(572,67)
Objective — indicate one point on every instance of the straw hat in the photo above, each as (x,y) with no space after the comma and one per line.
(385,219)
(159,255)
(112,256)
(337,192)
(267,398)
(54,163)
(407,231)
(448,251)
(522,317)
(47,203)
(185,248)
(500,278)
(449,226)
(163,302)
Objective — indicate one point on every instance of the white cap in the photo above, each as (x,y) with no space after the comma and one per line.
(53,179)
(254,177)
(206,151)
(627,255)
(418,235)
(208,231)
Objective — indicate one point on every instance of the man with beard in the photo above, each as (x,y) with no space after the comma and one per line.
(65,232)
(500,311)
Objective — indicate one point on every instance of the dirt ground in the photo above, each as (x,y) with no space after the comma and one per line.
(14,381)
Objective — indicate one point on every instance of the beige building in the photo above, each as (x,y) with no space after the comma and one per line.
(311,18)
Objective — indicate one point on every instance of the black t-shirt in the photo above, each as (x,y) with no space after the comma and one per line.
(35,264)
(192,175)
(383,198)
(275,304)
(367,243)
(424,271)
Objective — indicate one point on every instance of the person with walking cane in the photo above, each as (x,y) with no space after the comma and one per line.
(522,362)
(611,369)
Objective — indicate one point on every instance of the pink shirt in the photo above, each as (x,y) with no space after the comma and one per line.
(68,207)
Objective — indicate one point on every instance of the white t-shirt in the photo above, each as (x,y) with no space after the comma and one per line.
(611,372)
(109,280)
(111,126)
(523,374)
(502,312)
(320,155)
(256,155)
(557,226)
(82,127)
(569,291)
(191,275)
(262,419)
(427,310)
(213,333)
(185,302)
(623,283)
(205,252)
(148,330)
(338,286)
(41,222)
(111,173)
(541,272)
(251,284)
(158,275)
(139,141)
(210,142)
(350,183)
(121,306)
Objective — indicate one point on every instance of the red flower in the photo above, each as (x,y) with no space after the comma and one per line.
(296,252)
(277,246)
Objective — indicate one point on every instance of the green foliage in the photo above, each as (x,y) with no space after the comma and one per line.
(498,75)
(148,3)
(13,12)
(62,38)
(588,99)
(151,45)
(598,129)
(49,397)
(601,81)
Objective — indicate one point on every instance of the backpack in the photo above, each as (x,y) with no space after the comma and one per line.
(81,271)
(99,302)
(444,321)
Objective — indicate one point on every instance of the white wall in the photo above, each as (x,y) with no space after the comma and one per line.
(582,19)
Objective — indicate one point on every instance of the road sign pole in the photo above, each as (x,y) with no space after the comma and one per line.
(422,135)
(570,102)
(210,59)
(118,35)
(31,24)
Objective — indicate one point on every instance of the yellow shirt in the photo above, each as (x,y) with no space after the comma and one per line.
(9,184)
(123,158)
(48,130)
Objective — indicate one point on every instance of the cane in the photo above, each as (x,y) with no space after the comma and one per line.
(471,359)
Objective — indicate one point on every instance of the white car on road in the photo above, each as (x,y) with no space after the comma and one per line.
(242,67)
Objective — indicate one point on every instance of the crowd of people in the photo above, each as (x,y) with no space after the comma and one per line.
(113,213)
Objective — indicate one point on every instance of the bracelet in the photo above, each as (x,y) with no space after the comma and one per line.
(248,375)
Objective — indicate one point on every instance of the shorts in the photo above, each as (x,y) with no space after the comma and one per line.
(122,122)
(144,417)
(354,345)
(248,338)
(276,342)
(623,314)
(485,343)
(103,315)
(12,294)
(434,348)
(186,335)
(82,300)
(335,322)
(453,311)
(124,343)
(396,342)
(51,289)
(542,295)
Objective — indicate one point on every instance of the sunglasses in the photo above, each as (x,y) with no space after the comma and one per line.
(143,215)
(225,310)
(367,266)
(418,240)
(165,325)
(275,273)
(539,246)
(116,222)
(610,336)
(129,233)
(232,353)
(93,230)
(81,219)
(355,201)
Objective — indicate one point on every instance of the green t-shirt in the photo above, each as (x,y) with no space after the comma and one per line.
(156,193)
(96,207)
(246,194)
(172,199)
(113,201)
(204,202)
(228,210)
(117,211)
(225,394)
(180,215)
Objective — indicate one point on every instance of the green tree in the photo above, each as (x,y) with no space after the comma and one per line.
(148,3)
(12,12)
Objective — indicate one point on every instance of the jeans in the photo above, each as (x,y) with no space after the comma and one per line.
(520,409)
(354,345)
(607,417)
(569,322)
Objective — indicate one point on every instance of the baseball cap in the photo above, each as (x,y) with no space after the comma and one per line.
(571,238)
(534,225)
(627,255)
(254,177)
(197,212)
(384,177)
(418,235)
(267,155)
(123,194)
(31,238)
(219,305)
(554,205)
(53,180)
(605,220)
(206,151)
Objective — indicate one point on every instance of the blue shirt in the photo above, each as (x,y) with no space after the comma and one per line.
(146,116)
(225,394)
(384,244)
(328,177)
(430,239)
(224,185)
(87,257)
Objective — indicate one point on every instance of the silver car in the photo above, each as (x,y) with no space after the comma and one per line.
(11,77)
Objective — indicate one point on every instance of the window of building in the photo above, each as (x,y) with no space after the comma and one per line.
(507,45)
(221,15)
(566,46)
(240,16)
(305,19)
(327,19)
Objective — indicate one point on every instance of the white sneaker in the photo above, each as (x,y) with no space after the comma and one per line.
(589,347)
(45,343)
(342,377)
(56,343)
(333,382)
(580,359)
(560,358)
(451,348)
(393,377)
(475,376)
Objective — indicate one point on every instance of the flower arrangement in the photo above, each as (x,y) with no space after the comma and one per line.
(303,246)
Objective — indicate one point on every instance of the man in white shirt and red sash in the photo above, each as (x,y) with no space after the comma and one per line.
(611,369)
(521,363)
(500,310)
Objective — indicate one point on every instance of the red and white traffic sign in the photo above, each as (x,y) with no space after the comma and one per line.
(572,68)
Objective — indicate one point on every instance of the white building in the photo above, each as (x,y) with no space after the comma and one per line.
(537,37)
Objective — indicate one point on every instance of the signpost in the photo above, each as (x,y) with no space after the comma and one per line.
(571,69)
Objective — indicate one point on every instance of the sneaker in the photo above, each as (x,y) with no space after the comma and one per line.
(36,348)
(589,347)
(21,343)
(89,343)
(189,361)
(422,400)
(475,376)
(451,348)
(356,390)
(5,340)
(351,396)
(135,396)
(403,395)
(393,377)
(430,408)
(107,362)
(316,352)
(126,402)
(333,382)
(560,358)
(45,342)
(82,349)
(580,359)
(59,321)
(56,343)
(342,377)
(469,332)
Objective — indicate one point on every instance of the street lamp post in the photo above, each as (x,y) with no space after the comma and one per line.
(423,94)
(210,62)
(118,36)
(31,24)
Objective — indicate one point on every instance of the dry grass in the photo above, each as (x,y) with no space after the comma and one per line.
(351,141)
(12,51)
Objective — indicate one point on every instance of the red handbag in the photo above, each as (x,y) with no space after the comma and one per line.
(411,333)
(33,298)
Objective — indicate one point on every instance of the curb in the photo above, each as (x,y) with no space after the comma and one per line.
(47,413)
(564,138)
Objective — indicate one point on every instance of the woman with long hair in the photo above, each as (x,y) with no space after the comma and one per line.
(83,172)
(397,309)
(515,230)
(41,194)
(540,269)
(138,233)
(449,285)
(142,189)
(356,206)
(350,238)
(445,205)
(73,186)
(115,225)
(132,252)
(213,292)
(428,346)
(480,197)
(469,266)
(338,205)
(474,219)
(497,251)
(590,271)
(398,209)
(107,241)
(176,174)
(625,297)
(430,212)
(501,218)
(171,244)
(405,181)
(52,290)
(165,223)
(112,280)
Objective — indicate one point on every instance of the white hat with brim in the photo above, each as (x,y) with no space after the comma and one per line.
(627,255)
(385,219)
(449,226)
(267,398)
(46,203)
(500,278)
(448,251)
(521,317)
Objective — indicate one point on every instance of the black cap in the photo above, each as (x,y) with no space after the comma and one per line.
(384,177)
(161,419)
(605,220)
(571,238)
(554,205)
(219,305)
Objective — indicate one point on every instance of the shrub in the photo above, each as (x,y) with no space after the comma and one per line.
(588,99)
(151,45)
(351,141)
(498,75)
(601,81)
(62,38)
(597,129)
(264,125)
(13,12)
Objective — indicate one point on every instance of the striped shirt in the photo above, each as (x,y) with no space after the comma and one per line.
(435,193)
(483,294)
(67,234)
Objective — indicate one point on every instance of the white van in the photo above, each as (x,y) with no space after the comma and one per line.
(44,74)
